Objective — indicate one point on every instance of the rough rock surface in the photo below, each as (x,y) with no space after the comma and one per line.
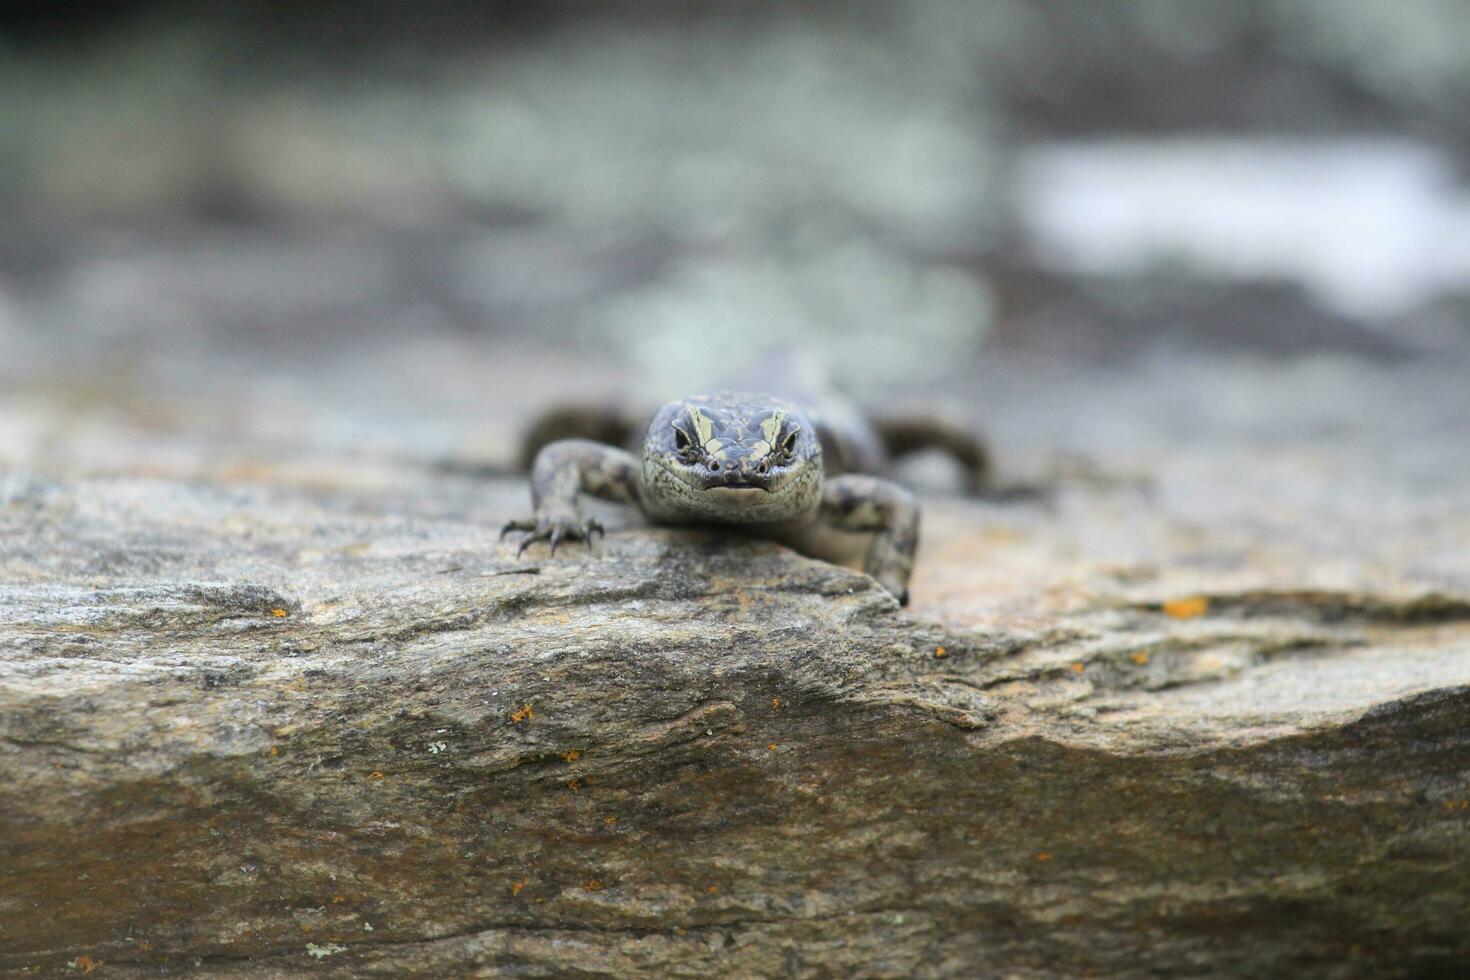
(267,726)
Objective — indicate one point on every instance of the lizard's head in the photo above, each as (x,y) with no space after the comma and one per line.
(732,457)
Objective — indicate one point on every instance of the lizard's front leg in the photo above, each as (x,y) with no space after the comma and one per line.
(890,513)
(565,470)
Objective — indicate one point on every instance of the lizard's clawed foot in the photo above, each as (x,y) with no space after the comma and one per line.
(553,530)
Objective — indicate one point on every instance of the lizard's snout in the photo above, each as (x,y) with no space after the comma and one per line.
(737,475)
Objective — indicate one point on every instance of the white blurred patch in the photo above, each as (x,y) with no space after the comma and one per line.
(1371,227)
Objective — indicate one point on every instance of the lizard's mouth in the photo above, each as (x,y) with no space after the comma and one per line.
(738,478)
(736,492)
(744,481)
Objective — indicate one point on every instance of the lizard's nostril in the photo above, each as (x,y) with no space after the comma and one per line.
(714,465)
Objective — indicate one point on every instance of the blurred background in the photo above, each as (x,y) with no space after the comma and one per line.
(335,242)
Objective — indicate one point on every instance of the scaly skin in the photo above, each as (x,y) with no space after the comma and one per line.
(755,462)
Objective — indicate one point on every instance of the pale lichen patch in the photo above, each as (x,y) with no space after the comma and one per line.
(323,951)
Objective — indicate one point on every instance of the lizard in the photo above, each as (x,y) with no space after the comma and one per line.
(809,474)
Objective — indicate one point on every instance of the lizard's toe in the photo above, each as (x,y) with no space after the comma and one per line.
(554,531)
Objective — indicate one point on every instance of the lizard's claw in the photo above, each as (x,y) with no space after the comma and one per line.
(516,526)
(553,531)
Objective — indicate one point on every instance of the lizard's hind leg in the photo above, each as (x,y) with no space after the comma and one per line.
(609,423)
(910,432)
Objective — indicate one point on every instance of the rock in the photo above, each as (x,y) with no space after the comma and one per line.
(263,729)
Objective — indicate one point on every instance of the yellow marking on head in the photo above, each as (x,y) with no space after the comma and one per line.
(771,426)
(760,450)
(713,447)
(704,428)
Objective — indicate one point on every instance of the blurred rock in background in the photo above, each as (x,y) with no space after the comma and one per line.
(684,190)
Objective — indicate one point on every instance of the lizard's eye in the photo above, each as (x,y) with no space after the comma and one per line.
(787,446)
(683,445)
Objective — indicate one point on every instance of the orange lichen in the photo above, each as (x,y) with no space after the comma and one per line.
(771,747)
(571,755)
(338,899)
(1186,608)
(1043,856)
(1078,667)
(593,885)
(574,785)
(524,714)
(940,653)
(278,612)
(712,890)
(85,963)
(1457,805)
(609,821)
(375,774)
(516,886)
(1139,658)
(775,702)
